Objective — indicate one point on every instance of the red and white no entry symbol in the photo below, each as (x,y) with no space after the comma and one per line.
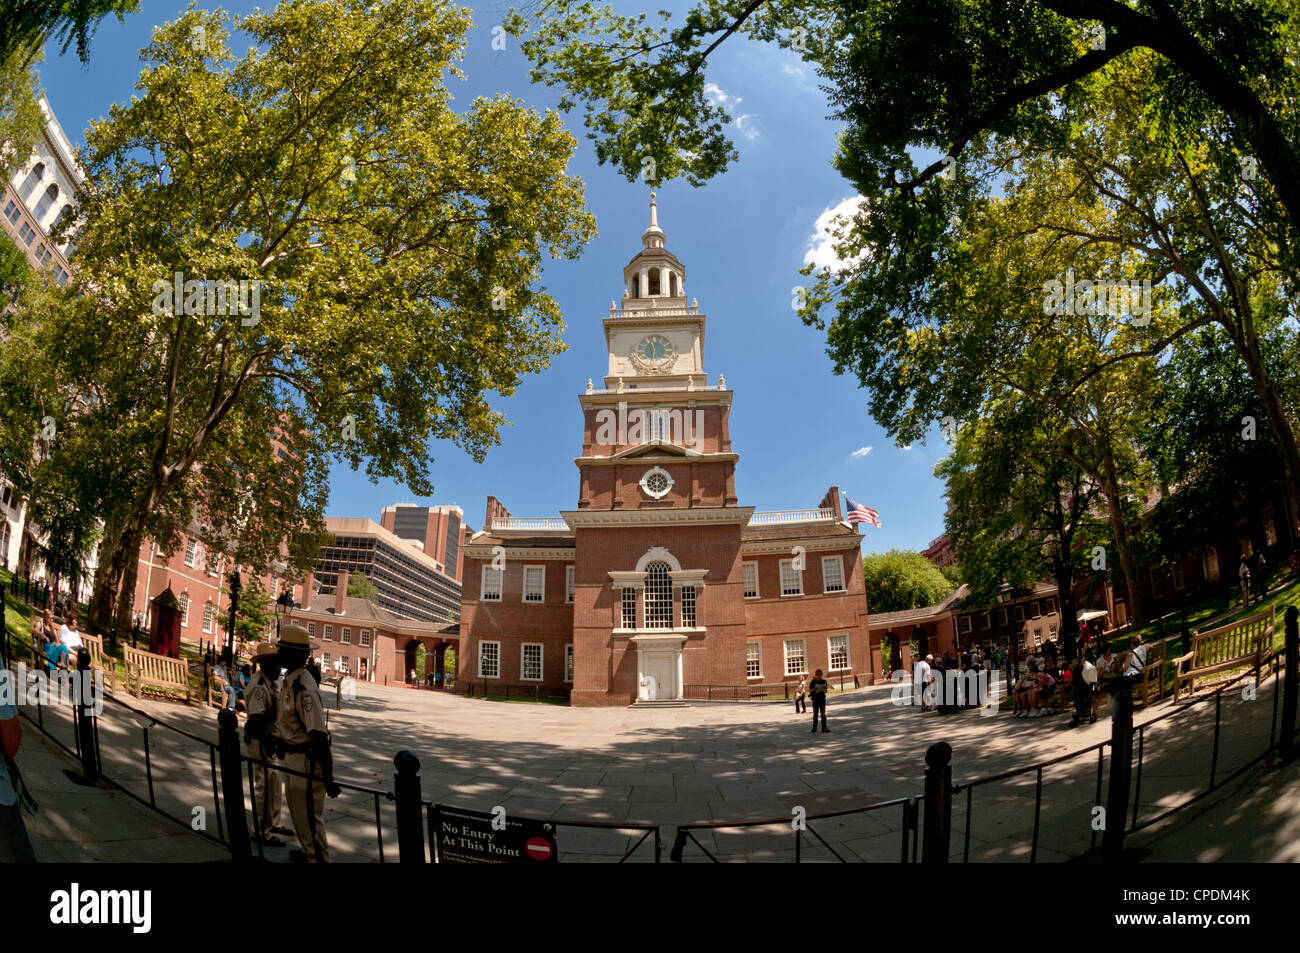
(538,848)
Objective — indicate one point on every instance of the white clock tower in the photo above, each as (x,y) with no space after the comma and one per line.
(655,339)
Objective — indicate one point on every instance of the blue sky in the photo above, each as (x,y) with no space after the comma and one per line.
(742,238)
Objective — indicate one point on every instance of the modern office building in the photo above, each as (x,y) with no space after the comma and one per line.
(437,528)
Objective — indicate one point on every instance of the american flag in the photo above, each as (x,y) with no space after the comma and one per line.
(862,514)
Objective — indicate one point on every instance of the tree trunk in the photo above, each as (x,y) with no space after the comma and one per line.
(1277,418)
(1115,504)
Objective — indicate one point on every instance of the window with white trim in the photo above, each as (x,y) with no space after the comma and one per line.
(534,583)
(753,659)
(530,661)
(1051,605)
(688,607)
(1020,613)
(837,650)
(489,660)
(346,636)
(832,574)
(325,658)
(363,638)
(751,580)
(1051,630)
(1178,576)
(963,624)
(629,607)
(568,663)
(329,634)
(658,596)
(491,589)
(209,616)
(311,630)
(986,621)
(1002,617)
(185,610)
(791,579)
(1210,565)
(191,551)
(796,656)
(568,583)
(1038,635)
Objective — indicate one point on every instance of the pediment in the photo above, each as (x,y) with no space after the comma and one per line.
(654,448)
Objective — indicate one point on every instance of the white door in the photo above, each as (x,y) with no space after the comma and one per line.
(661,672)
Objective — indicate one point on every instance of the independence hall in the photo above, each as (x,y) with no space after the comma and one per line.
(659,585)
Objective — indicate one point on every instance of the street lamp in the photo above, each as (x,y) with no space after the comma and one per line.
(235,586)
(1005,593)
(283,606)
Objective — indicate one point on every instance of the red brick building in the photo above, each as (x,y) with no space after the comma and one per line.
(659,585)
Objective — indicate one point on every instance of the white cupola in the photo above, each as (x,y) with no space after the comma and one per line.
(654,273)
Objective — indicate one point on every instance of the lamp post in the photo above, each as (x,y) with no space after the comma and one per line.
(235,586)
(283,606)
(1005,593)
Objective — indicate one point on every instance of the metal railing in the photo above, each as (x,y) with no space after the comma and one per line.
(770,691)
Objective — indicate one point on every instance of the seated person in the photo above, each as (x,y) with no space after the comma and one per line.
(1026,692)
(1046,690)
(63,653)
(1137,661)
(242,679)
(221,674)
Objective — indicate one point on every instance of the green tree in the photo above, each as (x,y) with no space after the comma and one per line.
(255,615)
(420,655)
(902,579)
(398,246)
(15,272)
(448,665)
(20,115)
(360,587)
(26,24)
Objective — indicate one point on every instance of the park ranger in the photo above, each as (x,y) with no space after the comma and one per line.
(260,737)
(300,725)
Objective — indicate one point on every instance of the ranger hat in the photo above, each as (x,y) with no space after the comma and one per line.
(295,637)
(265,650)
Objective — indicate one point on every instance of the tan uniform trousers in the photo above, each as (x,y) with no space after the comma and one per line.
(306,815)
(268,804)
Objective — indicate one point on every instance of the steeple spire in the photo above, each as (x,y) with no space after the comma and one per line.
(653,236)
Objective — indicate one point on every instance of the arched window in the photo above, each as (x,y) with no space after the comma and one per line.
(184,600)
(46,203)
(654,281)
(658,596)
(636,286)
(672,284)
(1211,565)
(33,180)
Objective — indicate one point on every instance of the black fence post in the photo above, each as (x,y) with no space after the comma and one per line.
(232,786)
(410,820)
(1121,769)
(4,631)
(86,718)
(1292,681)
(938,803)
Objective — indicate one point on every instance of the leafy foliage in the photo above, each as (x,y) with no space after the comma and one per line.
(902,579)
(360,587)
(26,24)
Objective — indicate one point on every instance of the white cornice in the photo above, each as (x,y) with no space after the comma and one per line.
(700,515)
(652,458)
(816,544)
(484,551)
(674,397)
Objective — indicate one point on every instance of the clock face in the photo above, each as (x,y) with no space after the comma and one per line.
(655,351)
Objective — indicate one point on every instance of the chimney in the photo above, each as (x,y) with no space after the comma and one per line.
(307,581)
(341,592)
(495,508)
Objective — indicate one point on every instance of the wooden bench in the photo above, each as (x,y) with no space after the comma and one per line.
(95,646)
(1153,675)
(1235,645)
(145,669)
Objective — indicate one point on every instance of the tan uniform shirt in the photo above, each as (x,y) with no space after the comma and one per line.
(260,698)
(300,711)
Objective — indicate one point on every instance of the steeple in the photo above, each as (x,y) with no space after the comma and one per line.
(654,272)
(653,236)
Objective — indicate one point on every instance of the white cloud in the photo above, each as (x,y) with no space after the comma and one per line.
(793,69)
(744,123)
(821,244)
(861,452)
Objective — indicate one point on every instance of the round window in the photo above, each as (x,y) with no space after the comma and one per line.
(656,482)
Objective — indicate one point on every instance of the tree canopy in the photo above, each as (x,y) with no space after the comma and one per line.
(902,579)
(27,24)
(360,587)
(358,267)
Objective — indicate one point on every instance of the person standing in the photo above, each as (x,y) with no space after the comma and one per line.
(300,724)
(1243,573)
(817,688)
(921,675)
(259,736)
(1261,574)
(800,705)
(15,846)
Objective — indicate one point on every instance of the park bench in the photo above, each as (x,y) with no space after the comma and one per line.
(145,669)
(1235,645)
(95,646)
(1152,682)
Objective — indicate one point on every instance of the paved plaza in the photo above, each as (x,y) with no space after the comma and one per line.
(672,766)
